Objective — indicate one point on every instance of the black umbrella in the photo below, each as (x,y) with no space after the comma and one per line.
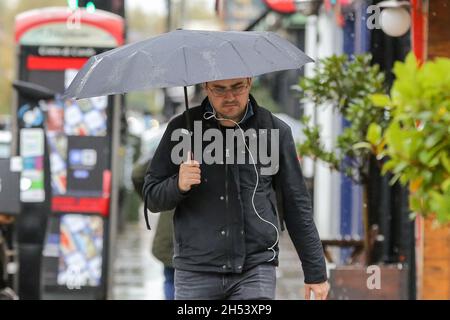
(185,58)
(32,91)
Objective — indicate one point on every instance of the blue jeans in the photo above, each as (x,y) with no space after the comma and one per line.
(257,283)
(168,283)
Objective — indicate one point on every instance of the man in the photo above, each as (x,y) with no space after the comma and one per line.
(225,221)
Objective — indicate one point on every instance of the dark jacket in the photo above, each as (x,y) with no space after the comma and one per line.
(216,228)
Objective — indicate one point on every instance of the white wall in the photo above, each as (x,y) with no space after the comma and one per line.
(324,38)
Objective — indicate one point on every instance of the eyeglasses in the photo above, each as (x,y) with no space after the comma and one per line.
(222,92)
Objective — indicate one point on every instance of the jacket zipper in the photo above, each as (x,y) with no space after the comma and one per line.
(227,232)
(226,186)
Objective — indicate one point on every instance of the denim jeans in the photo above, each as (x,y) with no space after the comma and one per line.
(257,283)
(168,283)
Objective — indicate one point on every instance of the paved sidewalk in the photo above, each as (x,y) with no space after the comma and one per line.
(138,275)
(289,273)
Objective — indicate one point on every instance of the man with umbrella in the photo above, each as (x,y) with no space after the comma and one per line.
(226,229)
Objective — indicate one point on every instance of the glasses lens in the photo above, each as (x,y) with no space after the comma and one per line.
(238,90)
(221,92)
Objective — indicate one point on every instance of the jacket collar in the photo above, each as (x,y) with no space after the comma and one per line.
(252,105)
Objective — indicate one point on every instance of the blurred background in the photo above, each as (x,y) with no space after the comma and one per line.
(71,221)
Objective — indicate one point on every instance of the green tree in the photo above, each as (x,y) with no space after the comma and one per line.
(346,86)
(417,141)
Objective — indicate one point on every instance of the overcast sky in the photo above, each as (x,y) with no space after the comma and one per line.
(158,6)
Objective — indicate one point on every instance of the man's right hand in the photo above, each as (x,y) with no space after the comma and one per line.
(189,175)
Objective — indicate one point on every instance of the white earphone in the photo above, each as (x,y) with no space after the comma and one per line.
(213,115)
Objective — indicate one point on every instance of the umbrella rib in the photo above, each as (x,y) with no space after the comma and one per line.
(243,61)
(86,77)
(185,65)
(262,56)
(276,47)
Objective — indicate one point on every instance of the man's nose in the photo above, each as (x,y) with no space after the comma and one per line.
(229,94)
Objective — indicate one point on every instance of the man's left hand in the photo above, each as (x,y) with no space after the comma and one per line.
(320,290)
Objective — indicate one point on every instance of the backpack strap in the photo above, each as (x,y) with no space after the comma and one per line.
(145,194)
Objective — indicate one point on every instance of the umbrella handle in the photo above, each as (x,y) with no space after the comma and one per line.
(189,125)
(188,120)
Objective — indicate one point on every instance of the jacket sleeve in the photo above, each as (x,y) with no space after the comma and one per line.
(160,191)
(298,214)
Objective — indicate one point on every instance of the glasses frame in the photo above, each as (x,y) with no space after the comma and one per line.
(233,91)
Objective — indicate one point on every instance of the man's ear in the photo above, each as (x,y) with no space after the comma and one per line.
(250,81)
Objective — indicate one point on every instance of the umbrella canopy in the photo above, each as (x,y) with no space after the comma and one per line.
(184,58)
(32,91)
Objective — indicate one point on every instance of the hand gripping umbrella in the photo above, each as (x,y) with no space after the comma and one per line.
(184,58)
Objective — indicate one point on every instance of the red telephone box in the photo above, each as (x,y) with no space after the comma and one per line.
(81,143)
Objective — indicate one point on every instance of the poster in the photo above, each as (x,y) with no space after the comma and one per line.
(30,116)
(80,251)
(86,117)
(55,115)
(86,164)
(57,146)
(76,134)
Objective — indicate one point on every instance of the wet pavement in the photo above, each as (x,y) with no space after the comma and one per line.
(138,275)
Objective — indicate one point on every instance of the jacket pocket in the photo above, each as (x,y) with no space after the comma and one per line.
(267,212)
(176,230)
(273,203)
